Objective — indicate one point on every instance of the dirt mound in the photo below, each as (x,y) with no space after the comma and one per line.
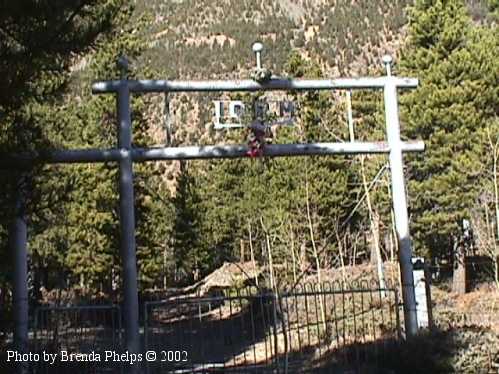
(229,275)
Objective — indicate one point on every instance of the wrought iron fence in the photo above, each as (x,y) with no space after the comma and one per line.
(261,330)
(329,327)
(88,330)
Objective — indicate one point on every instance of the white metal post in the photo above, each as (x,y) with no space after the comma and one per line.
(400,206)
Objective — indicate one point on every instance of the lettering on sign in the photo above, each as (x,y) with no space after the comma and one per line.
(236,113)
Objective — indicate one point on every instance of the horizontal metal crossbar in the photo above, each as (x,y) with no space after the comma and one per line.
(61,308)
(251,85)
(201,152)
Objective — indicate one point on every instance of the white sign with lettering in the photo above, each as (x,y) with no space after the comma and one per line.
(235,113)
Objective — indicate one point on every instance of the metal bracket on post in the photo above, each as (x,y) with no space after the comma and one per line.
(400,201)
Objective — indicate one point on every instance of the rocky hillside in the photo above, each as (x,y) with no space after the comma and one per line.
(190,38)
(202,39)
(212,39)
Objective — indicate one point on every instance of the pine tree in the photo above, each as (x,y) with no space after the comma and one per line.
(38,44)
(73,217)
(448,112)
(191,258)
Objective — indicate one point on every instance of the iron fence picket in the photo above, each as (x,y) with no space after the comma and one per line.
(83,329)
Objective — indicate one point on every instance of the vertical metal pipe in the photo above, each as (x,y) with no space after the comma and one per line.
(19,248)
(350,116)
(400,207)
(127,226)
(168,120)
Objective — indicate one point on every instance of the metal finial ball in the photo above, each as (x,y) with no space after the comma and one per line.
(387,59)
(257,47)
(122,63)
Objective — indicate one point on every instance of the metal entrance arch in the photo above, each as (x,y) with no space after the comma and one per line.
(125,155)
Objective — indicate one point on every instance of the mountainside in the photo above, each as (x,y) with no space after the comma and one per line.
(189,38)
(192,39)
(207,38)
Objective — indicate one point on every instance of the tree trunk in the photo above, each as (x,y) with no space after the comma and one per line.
(164,269)
(270,259)
(374,220)
(303,258)
(495,257)
(393,235)
(459,273)
(340,248)
(316,255)
(241,254)
(387,237)
(293,252)
(495,250)
(252,253)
